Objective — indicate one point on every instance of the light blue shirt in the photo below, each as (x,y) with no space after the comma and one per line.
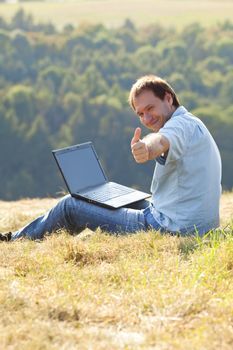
(186,185)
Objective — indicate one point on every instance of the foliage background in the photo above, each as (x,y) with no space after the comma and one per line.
(64,87)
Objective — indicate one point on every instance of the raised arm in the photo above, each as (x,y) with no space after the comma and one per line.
(148,148)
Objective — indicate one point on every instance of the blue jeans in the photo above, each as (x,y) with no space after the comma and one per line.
(74,215)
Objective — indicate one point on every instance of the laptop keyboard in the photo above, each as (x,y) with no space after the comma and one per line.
(108,191)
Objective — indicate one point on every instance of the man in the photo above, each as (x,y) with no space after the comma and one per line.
(186,185)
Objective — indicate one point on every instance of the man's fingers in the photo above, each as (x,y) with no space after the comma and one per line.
(138,146)
(142,159)
(138,152)
(136,136)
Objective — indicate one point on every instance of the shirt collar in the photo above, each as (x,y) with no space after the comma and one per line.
(179,110)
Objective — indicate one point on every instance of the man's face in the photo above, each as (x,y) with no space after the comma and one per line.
(152,111)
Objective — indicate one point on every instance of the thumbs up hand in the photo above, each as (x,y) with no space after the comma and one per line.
(139,148)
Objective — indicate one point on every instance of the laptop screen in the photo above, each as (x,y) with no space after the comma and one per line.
(80,167)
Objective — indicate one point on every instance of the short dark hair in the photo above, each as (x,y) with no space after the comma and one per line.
(155,84)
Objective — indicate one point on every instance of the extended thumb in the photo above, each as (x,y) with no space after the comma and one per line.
(136,136)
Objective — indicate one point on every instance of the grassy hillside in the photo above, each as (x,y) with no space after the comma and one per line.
(113,12)
(96,291)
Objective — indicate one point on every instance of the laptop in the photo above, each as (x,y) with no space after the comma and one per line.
(86,179)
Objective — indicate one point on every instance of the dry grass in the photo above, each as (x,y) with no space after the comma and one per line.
(96,291)
(112,13)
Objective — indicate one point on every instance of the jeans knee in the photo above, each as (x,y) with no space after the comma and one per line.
(69,207)
(65,201)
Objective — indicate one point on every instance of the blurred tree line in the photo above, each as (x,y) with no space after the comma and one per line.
(67,87)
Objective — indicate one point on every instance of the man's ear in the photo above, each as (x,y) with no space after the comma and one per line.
(169,98)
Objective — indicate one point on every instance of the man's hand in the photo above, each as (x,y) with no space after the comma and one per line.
(139,148)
